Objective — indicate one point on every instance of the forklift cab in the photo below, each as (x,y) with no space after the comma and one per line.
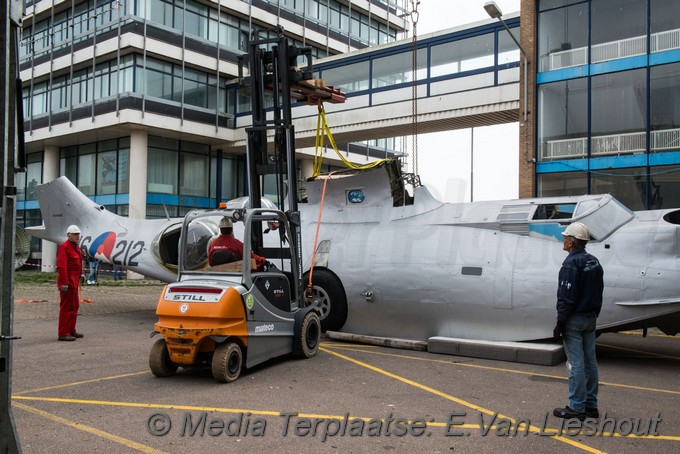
(277,280)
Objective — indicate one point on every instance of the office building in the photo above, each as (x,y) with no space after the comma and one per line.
(603,100)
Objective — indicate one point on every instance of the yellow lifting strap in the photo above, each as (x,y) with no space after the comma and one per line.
(322,130)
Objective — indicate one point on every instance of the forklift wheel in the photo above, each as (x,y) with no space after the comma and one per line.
(307,340)
(227,362)
(159,360)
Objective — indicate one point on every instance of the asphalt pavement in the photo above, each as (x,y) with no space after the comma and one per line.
(97,394)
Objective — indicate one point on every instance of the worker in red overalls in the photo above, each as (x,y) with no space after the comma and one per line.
(69,270)
(227,243)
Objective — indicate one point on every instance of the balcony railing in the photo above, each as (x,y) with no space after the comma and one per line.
(665,139)
(568,58)
(618,49)
(665,40)
(628,143)
(634,142)
(629,47)
(564,149)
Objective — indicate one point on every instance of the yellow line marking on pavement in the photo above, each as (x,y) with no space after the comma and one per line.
(157,406)
(94,380)
(208,409)
(638,333)
(545,430)
(501,369)
(656,355)
(465,403)
(100,433)
(339,344)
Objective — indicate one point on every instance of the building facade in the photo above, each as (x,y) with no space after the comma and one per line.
(604,98)
(135,101)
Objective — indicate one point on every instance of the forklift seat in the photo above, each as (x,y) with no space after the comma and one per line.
(221,257)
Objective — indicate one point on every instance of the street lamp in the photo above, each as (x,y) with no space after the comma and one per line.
(494,11)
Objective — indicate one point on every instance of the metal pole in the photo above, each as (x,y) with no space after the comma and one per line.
(12,10)
(472,154)
(524,54)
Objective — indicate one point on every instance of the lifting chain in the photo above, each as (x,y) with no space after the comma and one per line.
(414,76)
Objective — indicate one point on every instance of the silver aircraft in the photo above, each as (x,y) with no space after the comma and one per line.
(394,264)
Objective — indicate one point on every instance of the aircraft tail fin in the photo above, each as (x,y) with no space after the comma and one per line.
(62,204)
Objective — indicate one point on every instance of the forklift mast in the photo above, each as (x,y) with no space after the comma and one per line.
(273,68)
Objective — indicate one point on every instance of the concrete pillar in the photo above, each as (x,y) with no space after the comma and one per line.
(307,166)
(307,170)
(48,262)
(139,141)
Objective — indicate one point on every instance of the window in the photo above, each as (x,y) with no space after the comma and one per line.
(665,187)
(563,119)
(664,27)
(563,37)
(81,87)
(398,68)
(124,166)
(99,168)
(162,165)
(549,4)
(193,174)
(36,102)
(196,21)
(562,184)
(619,29)
(628,185)
(27,181)
(232,178)
(160,12)
(508,52)
(618,113)
(86,169)
(68,163)
(664,107)
(107,167)
(160,211)
(549,211)
(159,79)
(464,55)
(348,78)
(59,93)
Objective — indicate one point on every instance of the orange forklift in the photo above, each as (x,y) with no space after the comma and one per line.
(228,313)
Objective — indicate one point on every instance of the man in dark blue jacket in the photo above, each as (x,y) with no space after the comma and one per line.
(579,300)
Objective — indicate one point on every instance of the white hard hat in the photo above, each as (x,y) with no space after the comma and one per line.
(73,229)
(225,223)
(578,231)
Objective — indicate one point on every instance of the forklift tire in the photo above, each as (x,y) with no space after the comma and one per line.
(329,299)
(159,360)
(308,336)
(227,362)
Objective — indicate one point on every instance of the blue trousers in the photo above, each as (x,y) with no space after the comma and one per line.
(579,346)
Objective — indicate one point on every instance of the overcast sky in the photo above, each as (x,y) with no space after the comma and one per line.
(444,158)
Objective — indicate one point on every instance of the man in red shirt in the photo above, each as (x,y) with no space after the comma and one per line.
(227,243)
(69,270)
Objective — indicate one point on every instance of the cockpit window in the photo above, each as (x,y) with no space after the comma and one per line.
(554,211)
(199,234)
(602,216)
